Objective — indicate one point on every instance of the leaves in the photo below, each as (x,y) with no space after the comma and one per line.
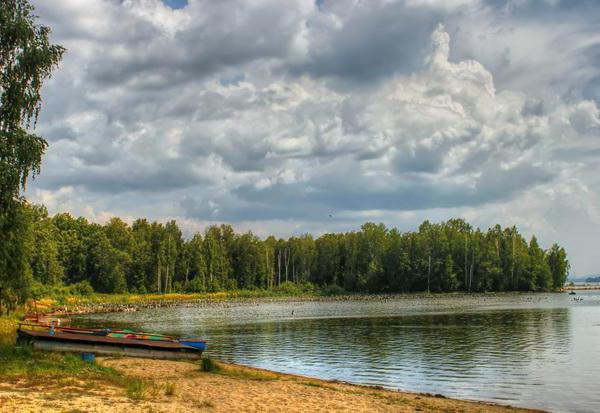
(26,59)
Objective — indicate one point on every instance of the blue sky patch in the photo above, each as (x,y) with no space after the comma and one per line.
(176,4)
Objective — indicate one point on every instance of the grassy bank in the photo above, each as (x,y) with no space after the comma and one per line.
(67,299)
(56,376)
(25,367)
(64,301)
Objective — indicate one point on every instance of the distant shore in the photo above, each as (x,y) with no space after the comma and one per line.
(167,386)
(106,303)
(583,287)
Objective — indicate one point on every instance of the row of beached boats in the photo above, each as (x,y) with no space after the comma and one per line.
(48,333)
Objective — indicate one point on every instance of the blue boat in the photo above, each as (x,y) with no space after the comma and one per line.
(197,344)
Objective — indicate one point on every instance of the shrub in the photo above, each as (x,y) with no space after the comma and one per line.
(288,288)
(209,365)
(136,389)
(332,289)
(81,288)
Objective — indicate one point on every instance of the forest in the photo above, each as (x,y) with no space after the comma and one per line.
(154,257)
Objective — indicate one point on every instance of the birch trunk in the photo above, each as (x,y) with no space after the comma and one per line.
(158,277)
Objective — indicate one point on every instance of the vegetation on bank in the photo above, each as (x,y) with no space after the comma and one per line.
(22,362)
(69,256)
(64,299)
(19,362)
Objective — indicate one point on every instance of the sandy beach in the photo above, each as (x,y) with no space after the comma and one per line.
(182,386)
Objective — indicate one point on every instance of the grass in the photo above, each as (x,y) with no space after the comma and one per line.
(315,384)
(23,361)
(49,368)
(67,298)
(210,366)
(170,388)
(136,389)
(8,327)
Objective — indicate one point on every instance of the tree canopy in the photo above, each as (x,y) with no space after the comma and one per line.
(26,59)
(155,257)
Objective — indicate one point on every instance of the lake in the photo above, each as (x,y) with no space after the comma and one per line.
(533,350)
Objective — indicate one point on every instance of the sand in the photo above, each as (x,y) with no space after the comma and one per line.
(174,386)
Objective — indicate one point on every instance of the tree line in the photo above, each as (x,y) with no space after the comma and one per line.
(154,257)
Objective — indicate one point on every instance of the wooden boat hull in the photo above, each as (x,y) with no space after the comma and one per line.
(113,350)
(89,343)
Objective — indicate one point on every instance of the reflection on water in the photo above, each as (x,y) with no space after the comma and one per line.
(530,350)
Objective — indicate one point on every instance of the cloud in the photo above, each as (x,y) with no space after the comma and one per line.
(275,116)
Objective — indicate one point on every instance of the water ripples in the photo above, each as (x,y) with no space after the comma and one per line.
(530,350)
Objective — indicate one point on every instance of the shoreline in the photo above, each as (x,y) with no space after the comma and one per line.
(183,386)
(270,388)
(79,305)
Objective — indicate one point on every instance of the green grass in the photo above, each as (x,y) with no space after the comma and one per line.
(50,368)
(20,361)
(17,362)
(8,328)
(209,365)
(136,389)
(315,384)
(23,361)
(68,297)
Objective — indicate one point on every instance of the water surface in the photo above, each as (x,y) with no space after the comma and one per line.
(538,350)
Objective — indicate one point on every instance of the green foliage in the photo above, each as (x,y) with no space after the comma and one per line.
(26,60)
(152,257)
(209,365)
(333,289)
(559,265)
(60,291)
(136,389)
(23,360)
(288,288)
(16,242)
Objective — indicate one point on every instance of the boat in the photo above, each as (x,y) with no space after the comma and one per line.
(199,344)
(109,342)
(572,292)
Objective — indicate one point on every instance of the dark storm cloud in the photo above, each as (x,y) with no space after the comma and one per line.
(126,178)
(411,192)
(219,35)
(376,40)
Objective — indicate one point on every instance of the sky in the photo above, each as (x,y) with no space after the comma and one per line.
(287,117)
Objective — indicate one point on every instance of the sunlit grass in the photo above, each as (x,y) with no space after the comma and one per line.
(170,388)
(8,327)
(211,366)
(70,302)
(136,389)
(24,361)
